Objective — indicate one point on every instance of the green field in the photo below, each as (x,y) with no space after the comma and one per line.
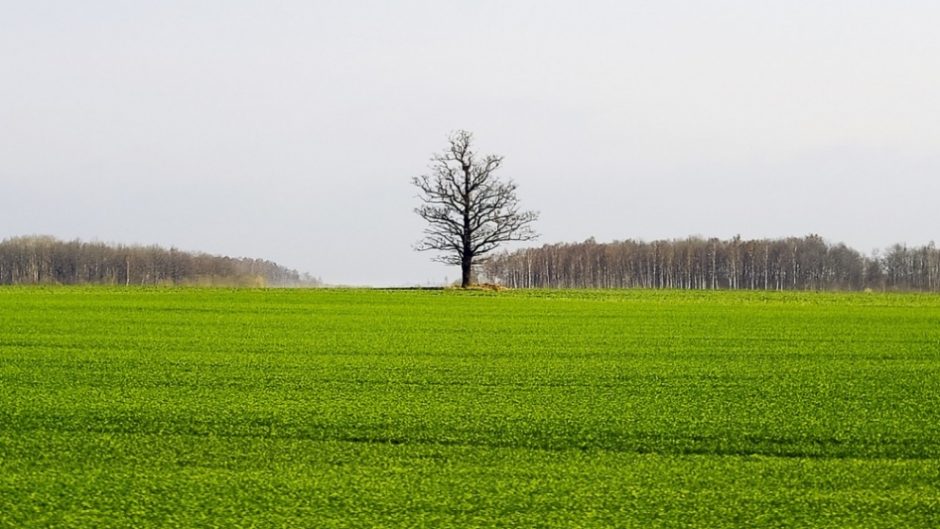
(364,408)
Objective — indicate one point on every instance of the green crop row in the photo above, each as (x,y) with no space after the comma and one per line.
(372,408)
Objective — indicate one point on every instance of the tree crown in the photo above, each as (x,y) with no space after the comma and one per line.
(469,210)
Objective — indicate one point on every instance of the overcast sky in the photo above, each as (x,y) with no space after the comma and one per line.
(289,130)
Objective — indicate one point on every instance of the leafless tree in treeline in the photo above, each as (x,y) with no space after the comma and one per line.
(46,260)
(794,263)
(468,209)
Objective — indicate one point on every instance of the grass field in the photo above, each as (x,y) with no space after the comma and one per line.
(358,408)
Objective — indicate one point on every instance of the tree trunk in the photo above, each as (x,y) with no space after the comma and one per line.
(465,270)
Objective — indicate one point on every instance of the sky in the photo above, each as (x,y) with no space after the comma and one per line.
(290,130)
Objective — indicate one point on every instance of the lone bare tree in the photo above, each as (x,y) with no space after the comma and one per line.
(469,210)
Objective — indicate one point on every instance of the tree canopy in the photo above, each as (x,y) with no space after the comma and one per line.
(469,210)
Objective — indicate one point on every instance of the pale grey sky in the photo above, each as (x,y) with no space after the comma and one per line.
(289,129)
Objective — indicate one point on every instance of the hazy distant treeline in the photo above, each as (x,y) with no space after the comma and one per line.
(46,260)
(807,263)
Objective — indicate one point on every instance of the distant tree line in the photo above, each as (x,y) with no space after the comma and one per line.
(38,260)
(794,263)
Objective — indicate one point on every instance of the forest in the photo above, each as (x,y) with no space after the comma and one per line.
(793,263)
(46,260)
